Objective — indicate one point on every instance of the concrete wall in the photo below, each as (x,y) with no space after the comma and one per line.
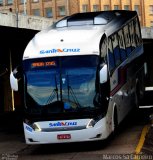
(21,21)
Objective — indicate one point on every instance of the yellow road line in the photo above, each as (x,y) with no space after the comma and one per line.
(142,139)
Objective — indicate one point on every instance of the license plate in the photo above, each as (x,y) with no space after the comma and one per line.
(64,136)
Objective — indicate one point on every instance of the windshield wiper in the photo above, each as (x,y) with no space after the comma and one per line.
(70,91)
(54,92)
(56,88)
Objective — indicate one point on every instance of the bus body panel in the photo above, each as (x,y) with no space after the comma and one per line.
(86,40)
(124,91)
(98,132)
(64,43)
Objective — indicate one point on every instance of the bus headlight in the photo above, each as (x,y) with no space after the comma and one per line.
(91,123)
(36,127)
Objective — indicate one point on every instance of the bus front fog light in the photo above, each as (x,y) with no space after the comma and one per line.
(36,127)
(91,123)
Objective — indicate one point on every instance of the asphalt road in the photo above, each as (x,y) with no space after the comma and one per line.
(124,141)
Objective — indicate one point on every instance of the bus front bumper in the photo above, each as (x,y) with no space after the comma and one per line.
(98,132)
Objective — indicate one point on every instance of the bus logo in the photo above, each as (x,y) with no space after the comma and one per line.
(60,124)
(64,50)
(28,128)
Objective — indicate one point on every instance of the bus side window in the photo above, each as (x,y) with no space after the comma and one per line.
(137,32)
(104,48)
(111,60)
(116,49)
(122,45)
(127,40)
(132,35)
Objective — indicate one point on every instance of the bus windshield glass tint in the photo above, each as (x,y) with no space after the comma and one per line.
(70,80)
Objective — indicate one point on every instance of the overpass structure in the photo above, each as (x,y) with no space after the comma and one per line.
(21,21)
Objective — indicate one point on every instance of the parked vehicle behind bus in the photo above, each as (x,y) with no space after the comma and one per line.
(81,77)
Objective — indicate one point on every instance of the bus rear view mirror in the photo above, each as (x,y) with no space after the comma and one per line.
(13,82)
(103,74)
(15,76)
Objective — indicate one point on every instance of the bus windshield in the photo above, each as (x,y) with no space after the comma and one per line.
(70,80)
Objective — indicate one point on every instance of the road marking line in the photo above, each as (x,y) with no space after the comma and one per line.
(142,139)
(148,88)
(146,106)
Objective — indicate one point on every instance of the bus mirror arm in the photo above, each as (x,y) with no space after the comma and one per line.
(110,98)
(13,82)
(104,74)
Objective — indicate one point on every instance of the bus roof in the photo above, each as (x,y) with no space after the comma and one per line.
(79,34)
(96,18)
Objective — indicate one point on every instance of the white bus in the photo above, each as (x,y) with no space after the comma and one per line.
(81,77)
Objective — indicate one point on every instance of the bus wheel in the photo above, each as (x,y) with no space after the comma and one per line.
(115,119)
